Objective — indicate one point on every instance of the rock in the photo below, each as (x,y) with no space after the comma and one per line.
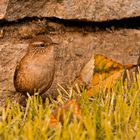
(77,43)
(3,7)
(76,46)
(87,10)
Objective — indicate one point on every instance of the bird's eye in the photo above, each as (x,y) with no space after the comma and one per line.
(39,44)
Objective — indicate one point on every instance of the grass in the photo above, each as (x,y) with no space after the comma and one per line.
(113,115)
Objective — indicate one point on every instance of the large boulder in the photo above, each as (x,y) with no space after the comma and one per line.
(88,10)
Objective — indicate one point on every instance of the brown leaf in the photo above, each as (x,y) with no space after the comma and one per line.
(71,106)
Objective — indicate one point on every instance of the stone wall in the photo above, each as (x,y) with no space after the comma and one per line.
(78,39)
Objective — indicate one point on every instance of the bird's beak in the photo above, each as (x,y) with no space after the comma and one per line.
(54,43)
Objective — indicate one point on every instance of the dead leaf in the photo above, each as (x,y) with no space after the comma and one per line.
(86,74)
(100,73)
(72,106)
(106,74)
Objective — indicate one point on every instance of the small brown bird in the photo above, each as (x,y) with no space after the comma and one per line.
(35,71)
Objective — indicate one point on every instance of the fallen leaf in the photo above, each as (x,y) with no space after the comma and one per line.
(101,73)
(72,106)
(86,74)
(106,74)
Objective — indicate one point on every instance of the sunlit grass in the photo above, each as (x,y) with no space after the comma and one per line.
(111,115)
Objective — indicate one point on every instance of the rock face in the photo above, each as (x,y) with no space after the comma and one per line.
(76,46)
(3,7)
(77,40)
(88,10)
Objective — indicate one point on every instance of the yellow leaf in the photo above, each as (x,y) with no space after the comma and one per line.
(106,73)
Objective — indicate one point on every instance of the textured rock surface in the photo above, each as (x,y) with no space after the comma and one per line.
(89,10)
(3,7)
(77,40)
(76,45)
